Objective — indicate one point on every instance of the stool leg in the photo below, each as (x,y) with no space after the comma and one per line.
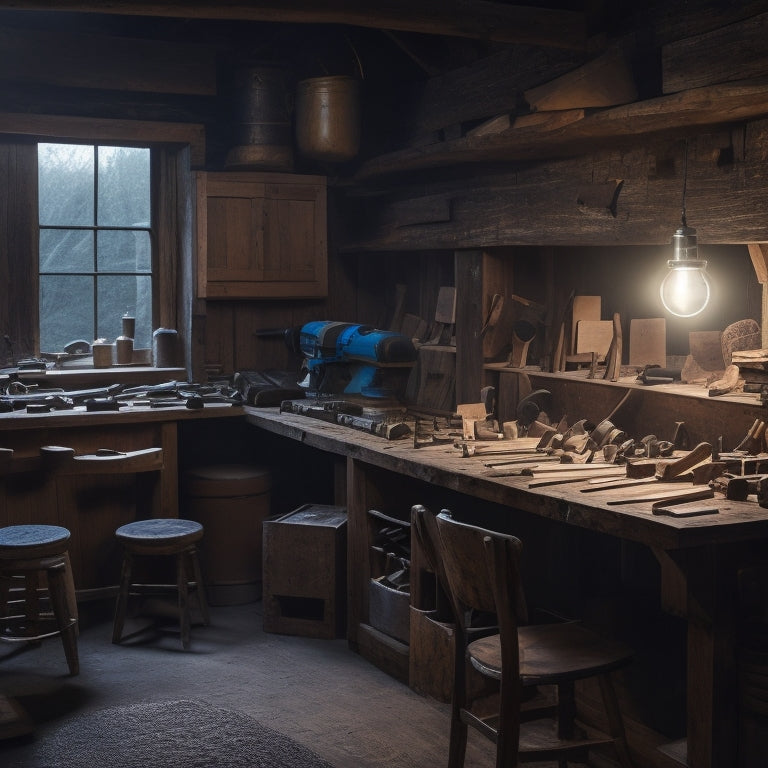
(71,594)
(32,603)
(5,593)
(182,584)
(200,589)
(57,589)
(122,598)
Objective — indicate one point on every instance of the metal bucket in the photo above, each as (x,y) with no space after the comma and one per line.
(328,118)
(262,113)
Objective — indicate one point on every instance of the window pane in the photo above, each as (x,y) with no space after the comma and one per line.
(65,179)
(117,295)
(66,250)
(66,311)
(124,251)
(123,187)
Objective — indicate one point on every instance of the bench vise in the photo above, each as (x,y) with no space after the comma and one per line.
(353,359)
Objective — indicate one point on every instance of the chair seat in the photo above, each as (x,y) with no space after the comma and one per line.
(19,542)
(565,651)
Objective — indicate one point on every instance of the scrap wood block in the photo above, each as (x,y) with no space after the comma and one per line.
(432,382)
(648,342)
(605,81)
(594,336)
(584,308)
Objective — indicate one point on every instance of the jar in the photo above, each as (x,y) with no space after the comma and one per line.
(124,347)
(164,348)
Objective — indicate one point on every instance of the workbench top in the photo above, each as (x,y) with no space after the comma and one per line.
(444,466)
(138,414)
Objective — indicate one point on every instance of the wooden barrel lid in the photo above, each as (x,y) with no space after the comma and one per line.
(226,480)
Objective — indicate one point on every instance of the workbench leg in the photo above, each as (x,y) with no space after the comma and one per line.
(362,495)
(168,501)
(712,718)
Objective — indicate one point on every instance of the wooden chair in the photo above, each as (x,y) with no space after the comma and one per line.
(482,569)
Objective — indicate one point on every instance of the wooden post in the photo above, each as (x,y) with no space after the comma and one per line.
(469,312)
(758,252)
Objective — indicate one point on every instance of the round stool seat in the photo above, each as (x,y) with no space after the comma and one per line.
(20,541)
(160,531)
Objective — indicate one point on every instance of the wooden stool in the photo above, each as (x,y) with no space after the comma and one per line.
(30,552)
(155,537)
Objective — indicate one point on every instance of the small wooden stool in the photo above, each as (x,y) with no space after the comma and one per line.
(152,538)
(29,552)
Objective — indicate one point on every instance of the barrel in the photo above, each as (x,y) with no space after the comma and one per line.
(328,118)
(231,501)
(262,117)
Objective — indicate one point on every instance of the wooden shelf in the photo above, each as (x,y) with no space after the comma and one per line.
(679,389)
(569,132)
(97,377)
(635,408)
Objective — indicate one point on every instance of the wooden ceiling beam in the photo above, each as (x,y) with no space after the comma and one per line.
(477,19)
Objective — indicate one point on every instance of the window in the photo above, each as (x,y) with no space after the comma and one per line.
(95,243)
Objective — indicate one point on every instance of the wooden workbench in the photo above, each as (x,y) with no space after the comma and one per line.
(698,556)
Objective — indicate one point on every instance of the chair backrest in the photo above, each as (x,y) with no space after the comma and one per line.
(482,570)
(424,527)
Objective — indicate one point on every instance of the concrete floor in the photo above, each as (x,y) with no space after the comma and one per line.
(316,691)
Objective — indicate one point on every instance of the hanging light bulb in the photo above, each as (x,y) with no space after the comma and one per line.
(685,291)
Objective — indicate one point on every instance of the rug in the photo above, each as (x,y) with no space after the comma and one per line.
(170,734)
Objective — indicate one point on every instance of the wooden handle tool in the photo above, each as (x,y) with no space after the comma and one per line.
(701,454)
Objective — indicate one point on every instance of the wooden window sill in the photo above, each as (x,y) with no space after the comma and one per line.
(132,375)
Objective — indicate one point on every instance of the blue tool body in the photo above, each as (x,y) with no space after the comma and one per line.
(351,358)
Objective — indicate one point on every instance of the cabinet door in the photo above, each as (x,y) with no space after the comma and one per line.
(235,232)
(261,236)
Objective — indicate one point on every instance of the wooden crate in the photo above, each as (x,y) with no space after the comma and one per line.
(305,572)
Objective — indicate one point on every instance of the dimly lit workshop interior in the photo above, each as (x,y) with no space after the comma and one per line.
(384,385)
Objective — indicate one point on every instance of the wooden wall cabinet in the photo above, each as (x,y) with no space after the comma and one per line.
(261,235)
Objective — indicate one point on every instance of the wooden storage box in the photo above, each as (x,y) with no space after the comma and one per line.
(388,610)
(304,574)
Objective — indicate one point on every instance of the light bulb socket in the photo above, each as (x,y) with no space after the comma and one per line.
(685,246)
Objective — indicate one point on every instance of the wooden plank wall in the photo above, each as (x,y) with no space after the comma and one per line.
(614,197)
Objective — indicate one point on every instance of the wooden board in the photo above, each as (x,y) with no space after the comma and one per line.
(432,382)
(733,52)
(603,82)
(706,349)
(576,476)
(663,491)
(648,341)
(446,305)
(594,336)
(584,308)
